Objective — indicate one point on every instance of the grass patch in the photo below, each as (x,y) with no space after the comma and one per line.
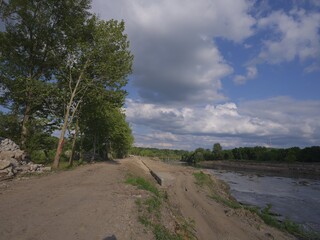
(150,210)
(161,233)
(226,202)
(202,179)
(142,183)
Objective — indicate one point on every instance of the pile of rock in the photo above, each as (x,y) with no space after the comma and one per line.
(13,160)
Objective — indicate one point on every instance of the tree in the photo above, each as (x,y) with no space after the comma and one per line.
(98,62)
(217,151)
(31,49)
(9,126)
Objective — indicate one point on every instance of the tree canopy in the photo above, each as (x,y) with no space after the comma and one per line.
(56,60)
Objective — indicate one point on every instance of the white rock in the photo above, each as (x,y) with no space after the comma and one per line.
(13,162)
(4,164)
(46,169)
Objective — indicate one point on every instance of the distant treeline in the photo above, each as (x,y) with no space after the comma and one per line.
(294,154)
(164,154)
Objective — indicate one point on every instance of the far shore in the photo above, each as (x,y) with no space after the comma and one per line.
(294,170)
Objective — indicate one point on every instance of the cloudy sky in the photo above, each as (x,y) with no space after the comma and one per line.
(242,73)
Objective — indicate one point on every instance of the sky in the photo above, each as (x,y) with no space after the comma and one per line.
(241,73)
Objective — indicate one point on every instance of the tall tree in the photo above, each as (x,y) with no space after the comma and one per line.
(33,44)
(97,62)
(217,151)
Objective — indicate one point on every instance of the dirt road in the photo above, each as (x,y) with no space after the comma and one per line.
(90,202)
(93,202)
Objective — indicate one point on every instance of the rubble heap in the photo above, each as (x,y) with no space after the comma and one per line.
(13,160)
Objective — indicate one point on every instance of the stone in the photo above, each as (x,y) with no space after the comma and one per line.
(46,169)
(19,155)
(5,155)
(8,145)
(10,171)
(13,162)
(33,167)
(23,168)
(4,164)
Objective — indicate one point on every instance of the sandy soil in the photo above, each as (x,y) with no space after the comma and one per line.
(92,202)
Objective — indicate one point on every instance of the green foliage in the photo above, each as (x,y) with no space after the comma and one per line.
(31,50)
(9,126)
(53,54)
(163,154)
(217,151)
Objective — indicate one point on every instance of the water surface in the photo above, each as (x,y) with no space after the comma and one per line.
(294,198)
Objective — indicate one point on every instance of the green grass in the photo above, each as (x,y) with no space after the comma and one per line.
(202,179)
(162,233)
(142,183)
(150,210)
(226,202)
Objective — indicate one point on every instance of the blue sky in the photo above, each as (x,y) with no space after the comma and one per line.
(242,73)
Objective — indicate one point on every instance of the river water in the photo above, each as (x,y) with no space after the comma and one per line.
(294,198)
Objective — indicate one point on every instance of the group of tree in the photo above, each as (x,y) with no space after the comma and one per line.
(63,69)
(163,154)
(294,154)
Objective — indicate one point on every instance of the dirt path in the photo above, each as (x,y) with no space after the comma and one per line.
(92,202)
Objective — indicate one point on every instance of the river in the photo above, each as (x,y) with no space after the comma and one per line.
(294,198)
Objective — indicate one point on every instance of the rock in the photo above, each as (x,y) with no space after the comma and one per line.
(8,145)
(13,162)
(5,155)
(10,171)
(46,169)
(33,167)
(23,168)
(4,164)
(19,155)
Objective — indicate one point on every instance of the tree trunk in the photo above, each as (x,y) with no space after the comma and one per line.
(73,145)
(61,139)
(81,147)
(94,147)
(24,128)
(66,118)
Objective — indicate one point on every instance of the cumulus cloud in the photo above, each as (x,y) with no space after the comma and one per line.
(263,122)
(251,74)
(301,118)
(222,119)
(176,59)
(297,36)
(179,71)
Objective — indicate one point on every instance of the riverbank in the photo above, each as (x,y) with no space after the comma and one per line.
(294,170)
(212,217)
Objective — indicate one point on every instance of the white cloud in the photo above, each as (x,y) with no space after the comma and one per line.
(301,118)
(283,121)
(175,58)
(251,74)
(297,36)
(209,120)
